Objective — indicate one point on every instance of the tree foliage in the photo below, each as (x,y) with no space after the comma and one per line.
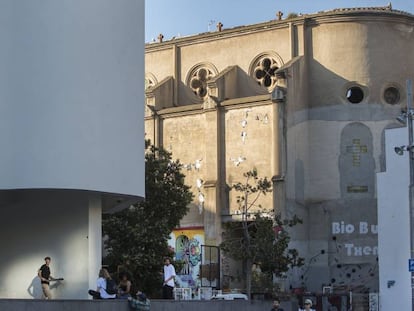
(260,236)
(136,238)
(292,15)
(272,240)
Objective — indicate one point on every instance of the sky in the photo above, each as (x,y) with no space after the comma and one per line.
(190,17)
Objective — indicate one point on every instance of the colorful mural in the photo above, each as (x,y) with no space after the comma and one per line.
(187,243)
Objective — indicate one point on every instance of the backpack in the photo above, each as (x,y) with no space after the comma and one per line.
(111,287)
(140,305)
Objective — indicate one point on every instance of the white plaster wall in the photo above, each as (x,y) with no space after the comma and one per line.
(94,238)
(72,95)
(393,225)
(36,224)
(71,117)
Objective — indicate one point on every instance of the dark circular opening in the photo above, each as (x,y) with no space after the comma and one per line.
(202,74)
(195,83)
(355,95)
(202,92)
(392,95)
(266,63)
(259,73)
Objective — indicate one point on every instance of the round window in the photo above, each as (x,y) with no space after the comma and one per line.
(263,69)
(391,95)
(198,79)
(355,95)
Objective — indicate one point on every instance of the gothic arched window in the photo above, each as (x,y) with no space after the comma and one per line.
(198,77)
(263,69)
(150,80)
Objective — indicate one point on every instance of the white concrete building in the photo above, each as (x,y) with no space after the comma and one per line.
(71,101)
(394,225)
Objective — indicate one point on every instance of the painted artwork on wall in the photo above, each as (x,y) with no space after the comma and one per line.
(187,247)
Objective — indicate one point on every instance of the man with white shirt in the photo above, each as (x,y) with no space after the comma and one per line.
(169,276)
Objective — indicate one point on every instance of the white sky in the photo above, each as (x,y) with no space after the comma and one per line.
(188,17)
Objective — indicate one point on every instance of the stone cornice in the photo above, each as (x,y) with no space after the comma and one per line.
(181,111)
(214,36)
(332,16)
(251,101)
(362,15)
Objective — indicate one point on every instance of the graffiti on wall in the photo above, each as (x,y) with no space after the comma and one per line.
(187,247)
(361,229)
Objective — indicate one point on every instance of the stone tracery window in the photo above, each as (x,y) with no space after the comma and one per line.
(263,69)
(150,80)
(198,77)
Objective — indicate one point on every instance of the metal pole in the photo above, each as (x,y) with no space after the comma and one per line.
(411,187)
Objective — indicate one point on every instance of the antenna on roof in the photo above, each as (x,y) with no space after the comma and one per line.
(211,22)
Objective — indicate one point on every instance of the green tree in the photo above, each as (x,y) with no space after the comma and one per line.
(258,238)
(137,238)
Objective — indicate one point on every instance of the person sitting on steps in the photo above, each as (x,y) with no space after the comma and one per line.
(101,286)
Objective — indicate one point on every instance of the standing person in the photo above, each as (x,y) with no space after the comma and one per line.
(101,286)
(276,305)
(45,278)
(307,306)
(169,276)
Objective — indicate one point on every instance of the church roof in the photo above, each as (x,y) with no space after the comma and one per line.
(387,8)
(338,12)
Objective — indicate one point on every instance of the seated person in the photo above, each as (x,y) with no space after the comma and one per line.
(124,286)
(101,286)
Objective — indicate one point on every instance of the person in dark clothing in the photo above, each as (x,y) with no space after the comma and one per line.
(276,305)
(45,278)
(124,286)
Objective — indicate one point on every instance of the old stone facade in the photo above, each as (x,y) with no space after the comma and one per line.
(304,100)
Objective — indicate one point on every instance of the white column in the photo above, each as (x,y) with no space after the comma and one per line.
(94,238)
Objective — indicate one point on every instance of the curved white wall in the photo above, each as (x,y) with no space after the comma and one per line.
(53,223)
(71,118)
(72,95)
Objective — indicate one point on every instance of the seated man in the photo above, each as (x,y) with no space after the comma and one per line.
(103,286)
